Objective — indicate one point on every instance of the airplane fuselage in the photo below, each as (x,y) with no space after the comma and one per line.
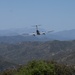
(37,32)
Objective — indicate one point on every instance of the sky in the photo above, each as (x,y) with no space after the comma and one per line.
(55,15)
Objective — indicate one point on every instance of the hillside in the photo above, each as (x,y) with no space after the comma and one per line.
(21,53)
(6,64)
(41,68)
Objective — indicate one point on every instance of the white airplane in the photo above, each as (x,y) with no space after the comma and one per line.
(37,32)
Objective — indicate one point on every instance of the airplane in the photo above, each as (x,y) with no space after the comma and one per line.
(37,32)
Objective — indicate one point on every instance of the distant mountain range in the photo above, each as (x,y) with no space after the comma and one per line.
(13,35)
(16,31)
(65,35)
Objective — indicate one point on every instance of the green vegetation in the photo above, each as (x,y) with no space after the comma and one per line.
(41,68)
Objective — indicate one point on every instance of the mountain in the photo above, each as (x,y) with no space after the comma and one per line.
(65,35)
(15,31)
(19,38)
(13,35)
(8,33)
(21,53)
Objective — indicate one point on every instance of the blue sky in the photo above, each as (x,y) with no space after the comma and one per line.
(55,15)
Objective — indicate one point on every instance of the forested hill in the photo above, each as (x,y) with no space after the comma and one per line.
(21,53)
(41,68)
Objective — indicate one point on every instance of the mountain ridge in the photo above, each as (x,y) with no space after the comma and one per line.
(15,37)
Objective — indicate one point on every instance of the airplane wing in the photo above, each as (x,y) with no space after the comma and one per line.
(50,31)
(28,34)
(43,33)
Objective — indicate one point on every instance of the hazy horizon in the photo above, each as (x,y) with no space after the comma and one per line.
(51,14)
